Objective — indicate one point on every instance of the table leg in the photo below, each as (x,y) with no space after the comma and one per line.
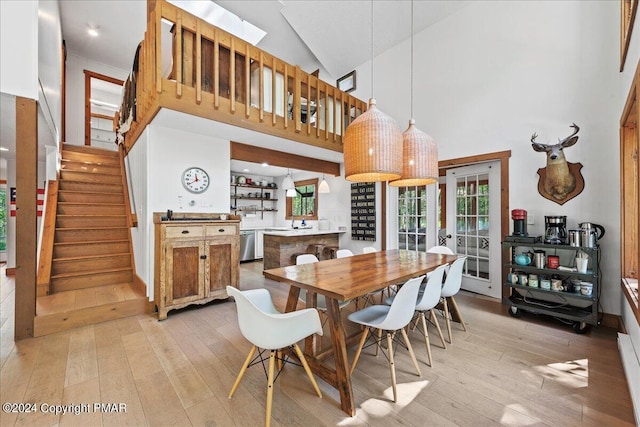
(338,341)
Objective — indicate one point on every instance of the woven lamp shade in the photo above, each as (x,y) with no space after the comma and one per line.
(372,147)
(420,159)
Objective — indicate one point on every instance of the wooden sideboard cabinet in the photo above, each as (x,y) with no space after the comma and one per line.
(195,260)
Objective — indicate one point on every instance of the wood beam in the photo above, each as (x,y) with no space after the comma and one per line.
(253,154)
(26,215)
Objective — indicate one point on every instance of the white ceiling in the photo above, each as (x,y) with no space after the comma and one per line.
(334,36)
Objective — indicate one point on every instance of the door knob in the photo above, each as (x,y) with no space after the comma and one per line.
(448,236)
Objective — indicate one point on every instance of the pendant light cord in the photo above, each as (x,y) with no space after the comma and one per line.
(411,95)
(372,48)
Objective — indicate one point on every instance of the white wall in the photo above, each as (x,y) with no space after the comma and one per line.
(19,51)
(75,93)
(157,162)
(492,74)
(50,65)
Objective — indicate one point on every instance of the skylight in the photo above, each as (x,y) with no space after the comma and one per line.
(222,18)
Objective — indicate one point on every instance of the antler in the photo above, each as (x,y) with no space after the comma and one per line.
(533,138)
(576,129)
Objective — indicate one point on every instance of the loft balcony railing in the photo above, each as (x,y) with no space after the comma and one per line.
(188,65)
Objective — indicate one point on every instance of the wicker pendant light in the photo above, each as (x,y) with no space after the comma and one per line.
(419,150)
(372,142)
(420,159)
(372,147)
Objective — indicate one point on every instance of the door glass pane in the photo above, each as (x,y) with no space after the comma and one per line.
(472,223)
(412,218)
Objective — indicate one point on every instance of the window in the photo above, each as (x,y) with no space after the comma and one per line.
(412,218)
(305,204)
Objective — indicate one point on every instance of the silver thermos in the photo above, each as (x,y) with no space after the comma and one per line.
(575,238)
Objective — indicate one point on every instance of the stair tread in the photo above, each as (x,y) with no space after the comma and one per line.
(90,272)
(90,192)
(91,228)
(88,216)
(87,257)
(90,203)
(91,242)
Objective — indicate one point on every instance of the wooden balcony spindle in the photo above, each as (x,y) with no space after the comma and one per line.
(273,91)
(216,69)
(232,76)
(198,63)
(247,77)
(261,88)
(179,56)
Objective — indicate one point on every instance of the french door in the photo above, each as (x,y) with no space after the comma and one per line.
(473,224)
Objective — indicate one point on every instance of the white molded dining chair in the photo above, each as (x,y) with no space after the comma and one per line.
(451,286)
(428,298)
(343,253)
(443,250)
(390,318)
(369,250)
(440,250)
(268,329)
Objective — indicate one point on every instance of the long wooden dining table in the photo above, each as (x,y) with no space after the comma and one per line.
(345,279)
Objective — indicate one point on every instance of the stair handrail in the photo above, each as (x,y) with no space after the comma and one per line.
(129,202)
(45,258)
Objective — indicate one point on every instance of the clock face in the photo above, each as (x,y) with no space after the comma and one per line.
(195,180)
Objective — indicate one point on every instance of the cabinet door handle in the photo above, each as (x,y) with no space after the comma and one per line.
(203,257)
(221,230)
(185,231)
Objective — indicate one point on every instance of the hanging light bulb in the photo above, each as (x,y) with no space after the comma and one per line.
(287,182)
(324,186)
(291,192)
(372,142)
(419,151)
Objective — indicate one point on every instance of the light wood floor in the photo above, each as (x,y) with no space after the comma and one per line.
(178,372)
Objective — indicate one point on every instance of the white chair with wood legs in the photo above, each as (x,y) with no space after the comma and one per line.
(343,253)
(443,250)
(391,319)
(451,286)
(440,250)
(369,297)
(428,298)
(268,329)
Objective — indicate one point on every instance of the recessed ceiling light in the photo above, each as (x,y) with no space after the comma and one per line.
(246,170)
(92,30)
(265,164)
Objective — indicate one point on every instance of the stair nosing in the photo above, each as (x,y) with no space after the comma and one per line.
(90,272)
(92,242)
(87,257)
(90,203)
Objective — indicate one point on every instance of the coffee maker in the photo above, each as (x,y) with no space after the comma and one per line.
(519,217)
(555,230)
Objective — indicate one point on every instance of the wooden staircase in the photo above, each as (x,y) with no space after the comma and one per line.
(91,277)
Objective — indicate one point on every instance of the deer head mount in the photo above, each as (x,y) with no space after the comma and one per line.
(560,180)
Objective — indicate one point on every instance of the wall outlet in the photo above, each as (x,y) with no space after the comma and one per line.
(530,219)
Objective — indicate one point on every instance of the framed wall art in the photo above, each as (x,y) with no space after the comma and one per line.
(347,83)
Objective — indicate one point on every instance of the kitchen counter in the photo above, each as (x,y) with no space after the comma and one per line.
(282,246)
(288,232)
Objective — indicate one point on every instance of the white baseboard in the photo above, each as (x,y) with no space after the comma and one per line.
(631,365)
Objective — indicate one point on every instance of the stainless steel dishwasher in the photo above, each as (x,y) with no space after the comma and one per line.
(247,245)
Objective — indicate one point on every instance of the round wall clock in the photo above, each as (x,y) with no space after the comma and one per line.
(195,180)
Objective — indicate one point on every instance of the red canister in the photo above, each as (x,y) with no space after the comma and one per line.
(553,261)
